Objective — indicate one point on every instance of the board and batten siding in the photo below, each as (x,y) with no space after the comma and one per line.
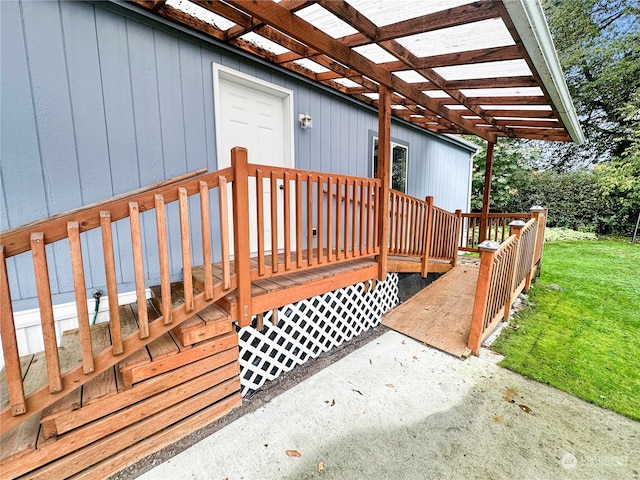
(100,101)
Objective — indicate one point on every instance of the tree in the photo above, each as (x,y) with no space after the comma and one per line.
(598,44)
(512,160)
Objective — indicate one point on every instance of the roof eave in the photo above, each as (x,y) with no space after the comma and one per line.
(529,20)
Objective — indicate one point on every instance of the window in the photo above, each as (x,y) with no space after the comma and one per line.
(399,160)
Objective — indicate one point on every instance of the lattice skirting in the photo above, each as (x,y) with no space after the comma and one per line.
(307,328)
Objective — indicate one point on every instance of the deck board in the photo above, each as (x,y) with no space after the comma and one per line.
(440,315)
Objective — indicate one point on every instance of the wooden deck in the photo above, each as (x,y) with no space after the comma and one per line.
(284,288)
(440,315)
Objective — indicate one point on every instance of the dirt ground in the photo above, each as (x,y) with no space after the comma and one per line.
(389,407)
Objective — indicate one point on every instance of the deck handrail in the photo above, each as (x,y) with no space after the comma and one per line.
(68,229)
(409,225)
(496,228)
(505,271)
(345,211)
(445,234)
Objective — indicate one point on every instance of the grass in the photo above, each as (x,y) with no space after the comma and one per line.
(585,338)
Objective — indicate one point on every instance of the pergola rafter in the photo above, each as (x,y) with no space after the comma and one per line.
(491,87)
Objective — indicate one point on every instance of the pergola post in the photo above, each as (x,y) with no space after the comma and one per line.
(486,193)
(384,163)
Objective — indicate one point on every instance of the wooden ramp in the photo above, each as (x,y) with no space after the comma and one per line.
(440,315)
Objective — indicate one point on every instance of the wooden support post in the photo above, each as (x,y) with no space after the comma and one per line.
(10,343)
(384,165)
(539,214)
(456,237)
(486,192)
(427,236)
(241,240)
(488,251)
(515,228)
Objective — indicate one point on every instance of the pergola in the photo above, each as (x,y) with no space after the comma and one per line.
(486,67)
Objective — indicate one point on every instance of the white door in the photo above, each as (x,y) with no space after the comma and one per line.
(258,116)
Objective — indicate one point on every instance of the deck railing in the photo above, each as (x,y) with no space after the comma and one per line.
(505,271)
(496,229)
(445,234)
(298,220)
(67,232)
(409,225)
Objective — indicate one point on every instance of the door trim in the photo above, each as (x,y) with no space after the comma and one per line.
(234,76)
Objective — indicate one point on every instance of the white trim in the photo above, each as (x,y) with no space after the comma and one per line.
(531,24)
(226,73)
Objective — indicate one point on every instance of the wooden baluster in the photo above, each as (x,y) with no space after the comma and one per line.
(299,220)
(354,219)
(112,283)
(224,232)
(404,218)
(309,220)
(43,288)
(339,226)
(260,215)
(274,222)
(376,219)
(320,217)
(163,259)
(138,267)
(205,223)
(368,243)
(10,351)
(363,217)
(391,223)
(80,290)
(286,191)
(398,221)
(329,219)
(185,242)
(241,238)
(347,201)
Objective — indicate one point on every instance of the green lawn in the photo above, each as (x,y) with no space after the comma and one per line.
(585,338)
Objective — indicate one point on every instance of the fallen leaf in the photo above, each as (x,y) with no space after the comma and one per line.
(326,401)
(357,391)
(293,453)
(508,395)
(403,342)
(321,467)
(390,385)
(370,362)
(333,402)
(526,409)
(415,357)
(497,419)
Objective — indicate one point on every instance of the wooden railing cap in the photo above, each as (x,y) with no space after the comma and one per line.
(489,246)
(536,208)
(517,223)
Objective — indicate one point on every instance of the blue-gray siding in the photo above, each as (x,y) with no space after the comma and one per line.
(95,103)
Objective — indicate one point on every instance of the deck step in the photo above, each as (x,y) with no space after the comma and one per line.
(100,409)
(210,322)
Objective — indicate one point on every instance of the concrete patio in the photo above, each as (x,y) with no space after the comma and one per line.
(398,409)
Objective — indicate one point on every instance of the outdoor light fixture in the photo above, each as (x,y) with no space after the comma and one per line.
(305,121)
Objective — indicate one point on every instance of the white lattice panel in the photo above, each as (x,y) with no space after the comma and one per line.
(307,328)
